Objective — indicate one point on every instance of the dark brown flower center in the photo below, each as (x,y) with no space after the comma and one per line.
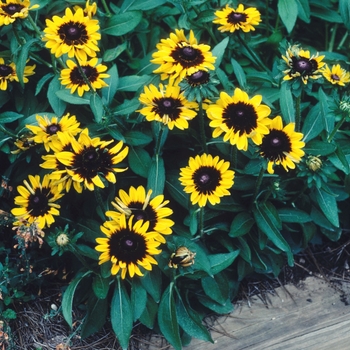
(11,9)
(73,33)
(187,56)
(304,66)
(206,179)
(5,70)
(147,214)
(127,246)
(38,203)
(198,78)
(275,145)
(167,106)
(91,74)
(335,77)
(53,128)
(241,117)
(236,17)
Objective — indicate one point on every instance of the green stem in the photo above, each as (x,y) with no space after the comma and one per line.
(331,42)
(201,221)
(104,4)
(202,128)
(258,184)
(233,157)
(157,148)
(297,113)
(5,131)
(35,27)
(82,73)
(336,128)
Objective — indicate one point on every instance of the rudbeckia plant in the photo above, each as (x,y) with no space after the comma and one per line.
(150,149)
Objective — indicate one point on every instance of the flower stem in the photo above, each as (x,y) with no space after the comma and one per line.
(202,128)
(35,27)
(336,128)
(258,184)
(297,113)
(201,221)
(82,73)
(104,4)
(5,131)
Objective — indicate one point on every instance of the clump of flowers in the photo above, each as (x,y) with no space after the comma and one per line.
(12,10)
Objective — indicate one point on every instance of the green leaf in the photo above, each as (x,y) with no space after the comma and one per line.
(239,73)
(219,50)
(288,11)
(156,176)
(100,286)
(216,288)
(42,82)
(328,205)
(66,96)
(9,117)
(303,10)
(167,318)
(138,298)
(319,148)
(137,138)
(216,307)
(97,108)
(325,13)
(133,82)
(143,5)
(313,123)
(190,321)
(127,107)
(139,161)
(327,116)
(152,282)
(113,81)
(68,296)
(121,314)
(219,262)
(56,103)
(122,23)
(115,133)
(344,10)
(293,215)
(97,310)
(176,190)
(111,54)
(269,223)
(22,59)
(287,104)
(241,224)
(149,314)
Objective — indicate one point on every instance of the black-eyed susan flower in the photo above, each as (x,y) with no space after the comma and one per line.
(239,118)
(301,65)
(128,246)
(8,73)
(74,80)
(206,178)
(89,10)
(23,143)
(179,56)
(336,75)
(139,204)
(90,161)
(14,9)
(167,105)
(73,34)
(282,146)
(37,201)
(231,20)
(46,130)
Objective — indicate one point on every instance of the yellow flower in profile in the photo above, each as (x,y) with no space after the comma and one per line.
(167,105)
(336,75)
(8,73)
(89,10)
(206,178)
(36,201)
(282,146)
(239,118)
(73,79)
(73,34)
(139,204)
(231,20)
(128,246)
(301,65)
(179,57)
(14,9)
(46,130)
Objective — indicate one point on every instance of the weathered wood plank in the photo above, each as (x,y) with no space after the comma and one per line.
(315,318)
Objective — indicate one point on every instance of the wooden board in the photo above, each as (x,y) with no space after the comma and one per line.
(313,316)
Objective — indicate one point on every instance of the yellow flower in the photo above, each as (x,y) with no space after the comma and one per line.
(46,130)
(93,72)
(73,34)
(336,75)
(239,118)
(37,201)
(13,9)
(167,105)
(179,57)
(128,246)
(231,20)
(90,10)
(282,146)
(301,65)
(206,178)
(142,207)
